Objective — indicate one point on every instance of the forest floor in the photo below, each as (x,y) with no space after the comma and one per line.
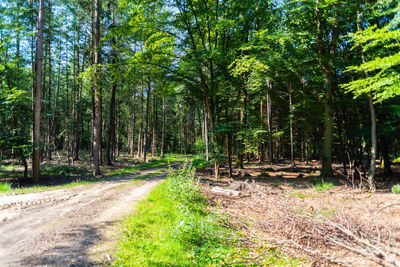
(72,225)
(291,209)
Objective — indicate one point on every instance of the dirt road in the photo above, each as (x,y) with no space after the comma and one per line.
(68,227)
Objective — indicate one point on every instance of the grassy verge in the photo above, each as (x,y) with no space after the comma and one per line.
(48,170)
(174,227)
(199,162)
(169,158)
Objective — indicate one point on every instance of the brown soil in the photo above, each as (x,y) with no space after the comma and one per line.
(68,227)
(278,205)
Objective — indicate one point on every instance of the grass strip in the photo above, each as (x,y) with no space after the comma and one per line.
(174,227)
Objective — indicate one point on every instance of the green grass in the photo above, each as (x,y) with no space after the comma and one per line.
(320,186)
(169,158)
(5,187)
(300,195)
(173,227)
(7,168)
(201,163)
(396,189)
(323,186)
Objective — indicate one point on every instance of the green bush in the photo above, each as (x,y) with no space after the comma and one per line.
(396,189)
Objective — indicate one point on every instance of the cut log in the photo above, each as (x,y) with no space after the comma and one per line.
(228,192)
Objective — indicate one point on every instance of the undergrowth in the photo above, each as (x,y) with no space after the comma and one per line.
(5,187)
(320,185)
(396,189)
(174,227)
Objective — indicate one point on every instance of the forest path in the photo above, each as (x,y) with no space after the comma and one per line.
(69,226)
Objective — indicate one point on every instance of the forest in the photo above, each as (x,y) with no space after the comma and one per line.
(311,86)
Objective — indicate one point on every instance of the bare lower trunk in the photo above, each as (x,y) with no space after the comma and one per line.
(206,133)
(146,125)
(371,175)
(163,128)
(140,138)
(98,99)
(111,126)
(38,95)
(291,130)
(133,125)
(269,125)
(153,142)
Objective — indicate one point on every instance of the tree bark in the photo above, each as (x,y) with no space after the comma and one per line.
(146,126)
(163,128)
(111,125)
(98,98)
(133,124)
(326,63)
(38,95)
(153,142)
(291,129)
(140,136)
(372,167)
(206,133)
(269,125)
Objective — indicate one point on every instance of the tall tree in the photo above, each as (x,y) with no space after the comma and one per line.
(38,93)
(98,97)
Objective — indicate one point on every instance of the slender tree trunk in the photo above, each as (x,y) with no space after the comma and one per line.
(38,95)
(153,143)
(163,128)
(371,174)
(269,125)
(53,121)
(48,136)
(77,102)
(146,126)
(111,126)
(133,124)
(291,129)
(98,98)
(206,133)
(140,136)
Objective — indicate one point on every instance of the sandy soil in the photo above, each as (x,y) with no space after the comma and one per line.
(74,226)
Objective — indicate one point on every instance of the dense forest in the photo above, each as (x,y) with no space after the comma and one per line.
(237,81)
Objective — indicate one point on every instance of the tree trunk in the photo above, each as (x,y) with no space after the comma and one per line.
(372,167)
(38,95)
(291,129)
(325,63)
(98,98)
(146,126)
(153,143)
(163,128)
(269,125)
(48,137)
(206,133)
(140,136)
(111,126)
(133,124)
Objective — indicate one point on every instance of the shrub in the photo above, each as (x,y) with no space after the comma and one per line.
(396,189)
